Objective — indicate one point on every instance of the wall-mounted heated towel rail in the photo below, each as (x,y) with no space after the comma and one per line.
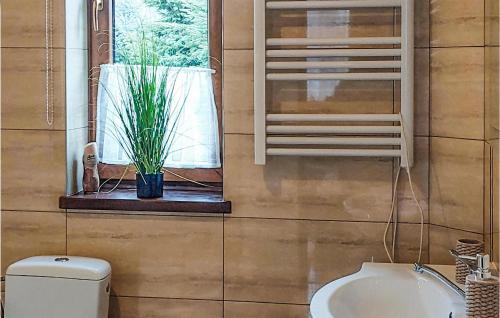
(288,59)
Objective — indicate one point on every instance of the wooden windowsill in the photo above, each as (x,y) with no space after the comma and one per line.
(176,198)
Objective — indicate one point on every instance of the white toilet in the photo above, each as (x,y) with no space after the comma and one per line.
(57,287)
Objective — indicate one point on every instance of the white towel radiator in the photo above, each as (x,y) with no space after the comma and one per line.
(299,134)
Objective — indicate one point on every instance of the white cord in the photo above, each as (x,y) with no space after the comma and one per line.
(389,219)
(49,63)
(391,214)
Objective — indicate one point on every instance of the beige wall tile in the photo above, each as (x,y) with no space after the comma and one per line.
(495,185)
(170,257)
(238,24)
(456,183)
(131,307)
(406,206)
(335,97)
(262,310)
(33,169)
(492,209)
(305,188)
(457,23)
(408,243)
(286,261)
(238,91)
(422,23)
(26,234)
(24,89)
(298,97)
(457,92)
(488,179)
(421,93)
(76,139)
(77,88)
(442,239)
(334,23)
(492,27)
(492,93)
(23,23)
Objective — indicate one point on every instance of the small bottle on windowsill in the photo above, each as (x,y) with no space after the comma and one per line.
(90,173)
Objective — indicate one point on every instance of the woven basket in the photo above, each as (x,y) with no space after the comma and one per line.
(469,248)
(481,297)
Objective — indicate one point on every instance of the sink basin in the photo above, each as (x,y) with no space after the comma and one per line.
(389,291)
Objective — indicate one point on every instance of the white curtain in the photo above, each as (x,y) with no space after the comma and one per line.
(196,141)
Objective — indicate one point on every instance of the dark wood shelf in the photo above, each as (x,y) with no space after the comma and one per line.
(175,199)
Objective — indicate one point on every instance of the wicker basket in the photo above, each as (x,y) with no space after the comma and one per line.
(481,297)
(469,248)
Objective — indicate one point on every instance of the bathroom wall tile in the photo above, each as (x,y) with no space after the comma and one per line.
(76,24)
(488,179)
(492,27)
(23,23)
(77,88)
(408,243)
(132,307)
(422,23)
(26,234)
(298,97)
(168,257)
(76,139)
(286,261)
(456,183)
(33,169)
(238,91)
(334,97)
(492,93)
(407,208)
(238,24)
(495,185)
(442,239)
(305,188)
(492,208)
(334,23)
(457,92)
(23,70)
(457,23)
(421,93)
(263,310)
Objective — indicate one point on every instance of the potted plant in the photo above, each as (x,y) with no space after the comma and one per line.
(148,114)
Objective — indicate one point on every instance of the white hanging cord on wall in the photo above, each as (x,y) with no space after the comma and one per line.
(390,254)
(49,62)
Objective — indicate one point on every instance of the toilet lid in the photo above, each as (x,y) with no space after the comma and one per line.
(71,267)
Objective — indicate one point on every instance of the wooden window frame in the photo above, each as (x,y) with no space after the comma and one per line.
(100,52)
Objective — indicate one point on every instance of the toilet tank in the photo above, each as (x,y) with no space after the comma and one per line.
(57,287)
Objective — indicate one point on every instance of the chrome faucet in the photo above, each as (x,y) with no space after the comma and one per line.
(478,265)
(420,268)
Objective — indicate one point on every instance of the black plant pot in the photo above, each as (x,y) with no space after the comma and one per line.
(149,185)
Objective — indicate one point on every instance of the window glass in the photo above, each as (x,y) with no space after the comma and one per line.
(180,28)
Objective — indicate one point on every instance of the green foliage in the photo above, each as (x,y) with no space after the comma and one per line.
(147,110)
(179,26)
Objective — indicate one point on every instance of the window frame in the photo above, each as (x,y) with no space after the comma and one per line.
(100,52)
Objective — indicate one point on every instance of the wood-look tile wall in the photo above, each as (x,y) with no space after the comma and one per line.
(492,128)
(297,223)
(460,35)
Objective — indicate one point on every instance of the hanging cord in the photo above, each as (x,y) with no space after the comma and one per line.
(414,197)
(49,63)
(116,185)
(189,180)
(389,220)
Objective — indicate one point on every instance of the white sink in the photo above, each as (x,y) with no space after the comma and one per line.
(388,291)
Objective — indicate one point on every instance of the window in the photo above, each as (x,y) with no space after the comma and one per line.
(190,34)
